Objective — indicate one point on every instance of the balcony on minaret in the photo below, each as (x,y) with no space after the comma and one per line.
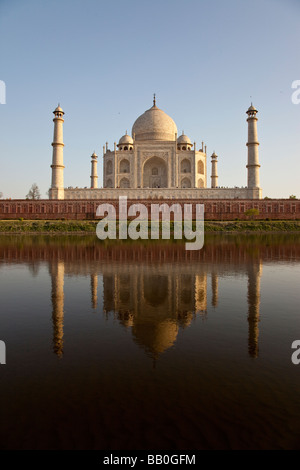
(58,112)
(252,111)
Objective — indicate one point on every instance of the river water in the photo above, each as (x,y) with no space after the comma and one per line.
(148,346)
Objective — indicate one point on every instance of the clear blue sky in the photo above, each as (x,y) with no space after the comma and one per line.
(103,60)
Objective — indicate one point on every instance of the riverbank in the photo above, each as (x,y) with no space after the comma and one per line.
(89,227)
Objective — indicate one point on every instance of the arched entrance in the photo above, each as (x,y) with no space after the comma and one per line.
(155,173)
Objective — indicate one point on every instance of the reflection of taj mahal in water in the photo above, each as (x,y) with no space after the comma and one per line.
(155,300)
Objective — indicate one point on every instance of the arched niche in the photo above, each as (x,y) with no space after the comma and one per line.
(124,183)
(185,166)
(124,166)
(200,167)
(186,183)
(109,167)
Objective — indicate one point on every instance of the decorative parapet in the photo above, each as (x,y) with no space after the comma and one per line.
(164,193)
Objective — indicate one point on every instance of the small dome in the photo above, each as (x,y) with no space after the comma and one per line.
(154,124)
(58,110)
(251,109)
(214,155)
(94,155)
(126,139)
(183,139)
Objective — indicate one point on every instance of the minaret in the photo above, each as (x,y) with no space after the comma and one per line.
(94,175)
(214,170)
(57,183)
(252,144)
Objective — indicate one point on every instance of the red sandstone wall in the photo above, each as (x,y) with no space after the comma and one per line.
(225,209)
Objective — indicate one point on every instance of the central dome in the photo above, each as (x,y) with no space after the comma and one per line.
(154,124)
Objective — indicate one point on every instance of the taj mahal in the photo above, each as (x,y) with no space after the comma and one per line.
(154,162)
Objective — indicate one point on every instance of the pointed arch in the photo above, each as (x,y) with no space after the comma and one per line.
(124,183)
(109,167)
(200,167)
(186,183)
(124,166)
(185,166)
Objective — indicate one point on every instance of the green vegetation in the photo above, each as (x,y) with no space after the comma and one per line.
(73,226)
(46,226)
(252,213)
(254,226)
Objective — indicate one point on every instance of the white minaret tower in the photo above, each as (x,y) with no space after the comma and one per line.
(57,183)
(214,170)
(94,175)
(252,144)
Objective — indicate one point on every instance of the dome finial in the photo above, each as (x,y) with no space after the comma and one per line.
(154,100)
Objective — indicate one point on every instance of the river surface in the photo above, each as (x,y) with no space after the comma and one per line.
(148,346)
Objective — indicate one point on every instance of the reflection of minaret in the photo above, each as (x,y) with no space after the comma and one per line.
(215,289)
(57,270)
(94,287)
(254,274)
(201,292)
